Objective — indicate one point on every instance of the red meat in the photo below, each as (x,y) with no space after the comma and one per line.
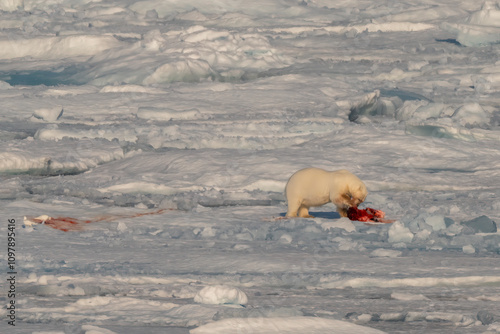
(366,215)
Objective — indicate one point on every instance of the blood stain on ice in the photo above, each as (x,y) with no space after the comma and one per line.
(67,224)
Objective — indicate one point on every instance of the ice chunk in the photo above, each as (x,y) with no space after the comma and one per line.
(221,294)
(291,325)
(89,329)
(485,317)
(454,229)
(57,47)
(408,109)
(437,222)
(151,14)
(494,327)
(481,28)
(190,70)
(407,296)
(165,114)
(11,5)
(193,15)
(471,114)
(443,316)
(468,249)
(489,15)
(432,110)
(121,227)
(399,233)
(153,41)
(478,36)
(48,114)
(423,235)
(482,224)
(385,253)
(286,239)
(396,316)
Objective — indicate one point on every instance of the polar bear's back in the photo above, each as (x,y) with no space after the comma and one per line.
(312,184)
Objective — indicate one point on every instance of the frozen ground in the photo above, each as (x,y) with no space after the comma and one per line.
(173,126)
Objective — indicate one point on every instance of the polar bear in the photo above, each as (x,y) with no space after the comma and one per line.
(315,187)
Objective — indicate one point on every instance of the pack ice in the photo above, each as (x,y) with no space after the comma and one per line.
(148,144)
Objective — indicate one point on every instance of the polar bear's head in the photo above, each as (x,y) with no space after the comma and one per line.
(354,191)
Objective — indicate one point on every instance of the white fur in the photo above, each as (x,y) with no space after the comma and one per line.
(312,187)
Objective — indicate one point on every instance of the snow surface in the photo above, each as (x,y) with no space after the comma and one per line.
(173,126)
(282,325)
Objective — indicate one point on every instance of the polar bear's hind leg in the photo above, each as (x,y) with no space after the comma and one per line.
(304,212)
(292,209)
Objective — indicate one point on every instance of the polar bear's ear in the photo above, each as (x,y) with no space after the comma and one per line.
(364,192)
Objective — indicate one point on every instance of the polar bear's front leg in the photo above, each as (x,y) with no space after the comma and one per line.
(342,211)
(342,204)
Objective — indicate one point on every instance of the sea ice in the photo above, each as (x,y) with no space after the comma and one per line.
(221,294)
(342,223)
(468,249)
(480,28)
(289,325)
(89,329)
(437,222)
(385,253)
(482,224)
(57,47)
(489,15)
(206,109)
(49,115)
(408,297)
(398,233)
